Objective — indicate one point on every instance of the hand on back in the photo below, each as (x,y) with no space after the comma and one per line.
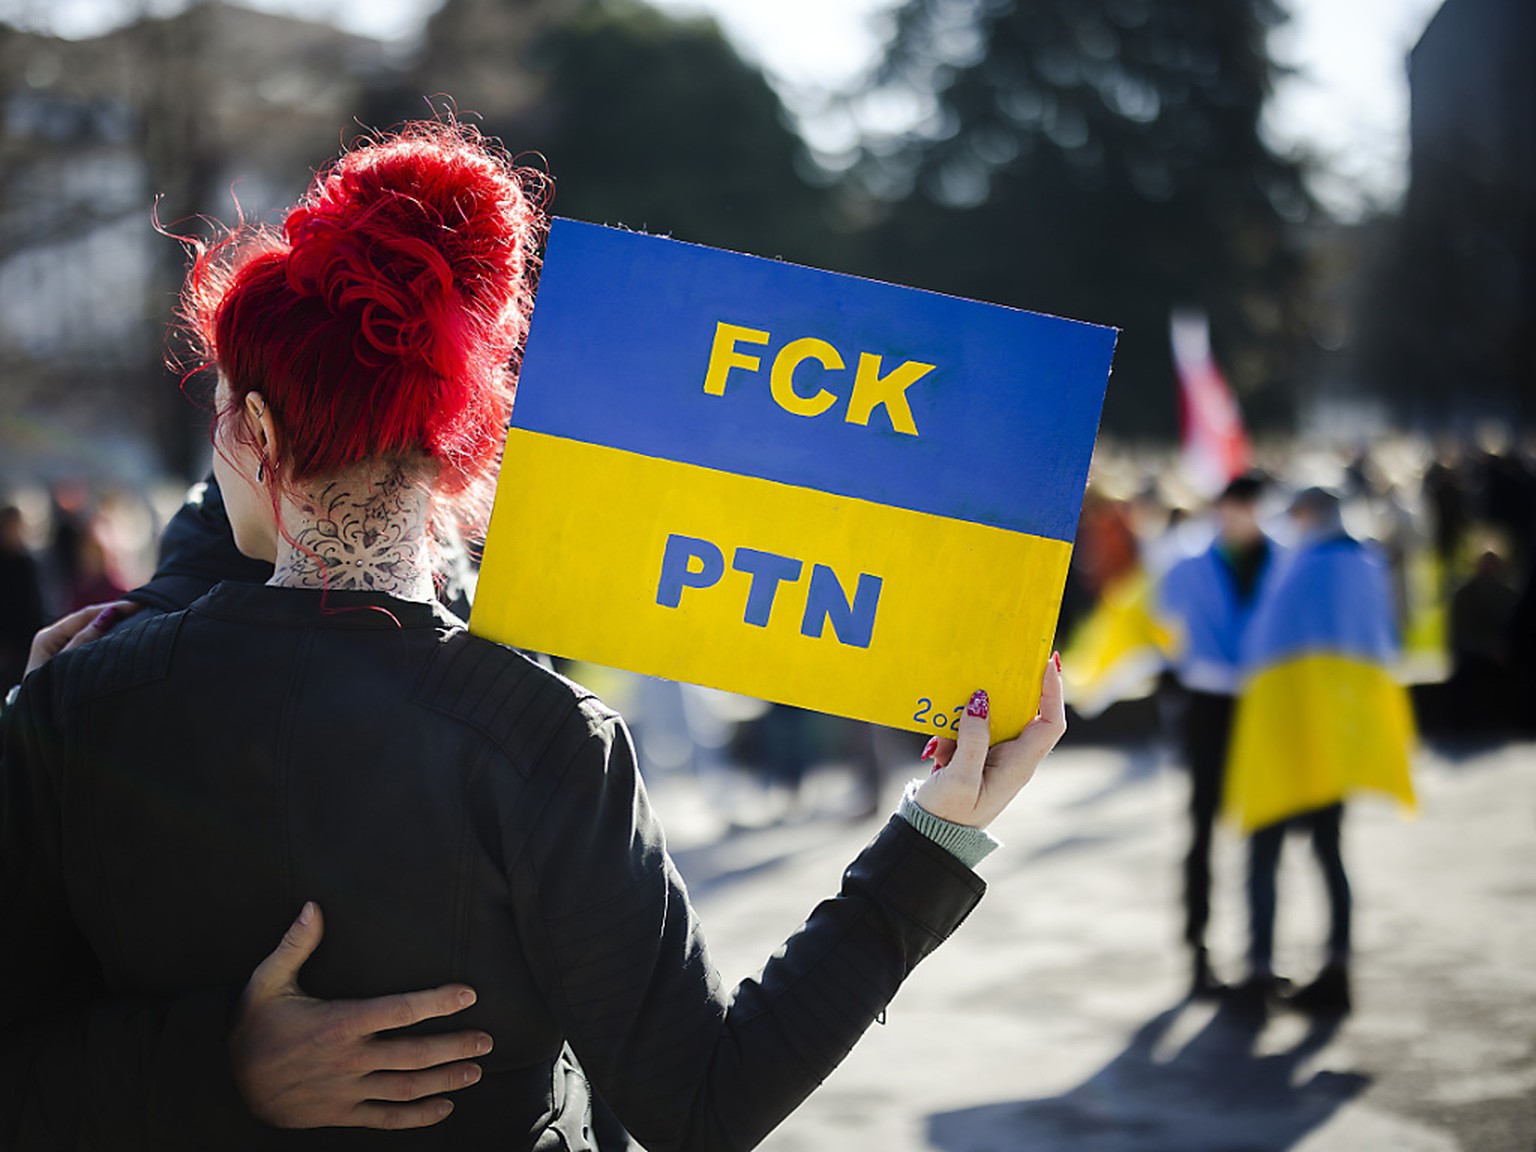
(301,1062)
(306,1063)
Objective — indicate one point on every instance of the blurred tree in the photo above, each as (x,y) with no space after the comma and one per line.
(183,157)
(475,57)
(165,112)
(646,120)
(1100,159)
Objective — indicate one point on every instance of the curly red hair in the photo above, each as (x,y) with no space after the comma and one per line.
(385,318)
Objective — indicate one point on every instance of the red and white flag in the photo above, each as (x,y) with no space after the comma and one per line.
(1215,447)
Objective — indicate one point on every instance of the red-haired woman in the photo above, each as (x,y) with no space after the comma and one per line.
(175,791)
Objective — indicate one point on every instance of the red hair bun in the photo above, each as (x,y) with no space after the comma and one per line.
(385,319)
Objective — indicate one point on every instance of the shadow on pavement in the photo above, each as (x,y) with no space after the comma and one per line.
(1217,1093)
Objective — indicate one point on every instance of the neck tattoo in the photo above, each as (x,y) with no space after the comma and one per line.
(363,531)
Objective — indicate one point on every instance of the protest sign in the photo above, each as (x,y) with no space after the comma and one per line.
(792,484)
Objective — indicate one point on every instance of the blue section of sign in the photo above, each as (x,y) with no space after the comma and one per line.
(907,398)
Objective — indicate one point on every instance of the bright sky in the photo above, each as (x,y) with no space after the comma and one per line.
(1347,103)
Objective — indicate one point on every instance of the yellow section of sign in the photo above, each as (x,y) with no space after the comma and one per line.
(766,589)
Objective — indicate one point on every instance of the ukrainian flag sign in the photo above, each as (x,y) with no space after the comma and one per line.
(797,485)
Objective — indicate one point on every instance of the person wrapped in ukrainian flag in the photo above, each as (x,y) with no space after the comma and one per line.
(1319,718)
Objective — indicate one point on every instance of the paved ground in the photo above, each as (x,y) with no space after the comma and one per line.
(1054,1019)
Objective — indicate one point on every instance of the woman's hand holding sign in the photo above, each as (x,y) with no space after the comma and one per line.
(972,783)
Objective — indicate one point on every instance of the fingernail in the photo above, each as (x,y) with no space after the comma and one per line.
(443,1108)
(471,1074)
(104,618)
(979,706)
(936,768)
(307,913)
(466,997)
(1056,659)
(930,748)
(483,1045)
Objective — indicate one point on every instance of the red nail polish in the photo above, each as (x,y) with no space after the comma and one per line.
(1056,658)
(930,748)
(104,618)
(936,768)
(979,706)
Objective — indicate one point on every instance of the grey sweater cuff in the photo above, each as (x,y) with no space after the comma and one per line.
(968,845)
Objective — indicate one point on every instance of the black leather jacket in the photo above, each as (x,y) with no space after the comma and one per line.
(174,792)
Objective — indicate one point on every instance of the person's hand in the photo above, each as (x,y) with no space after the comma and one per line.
(79,627)
(971,783)
(307,1063)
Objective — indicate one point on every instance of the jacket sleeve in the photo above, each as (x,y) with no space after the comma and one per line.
(618,952)
(79,1067)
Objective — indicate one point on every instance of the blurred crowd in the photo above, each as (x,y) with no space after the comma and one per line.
(67,545)
(1455,519)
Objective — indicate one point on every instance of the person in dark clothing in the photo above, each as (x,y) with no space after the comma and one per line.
(1509,501)
(197,551)
(1316,659)
(1484,686)
(1206,601)
(21,596)
(333,738)
(1522,649)
(1446,499)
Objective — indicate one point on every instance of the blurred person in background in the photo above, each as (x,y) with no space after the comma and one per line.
(1522,652)
(1484,683)
(1319,718)
(1507,492)
(333,733)
(1205,602)
(97,570)
(1115,646)
(61,566)
(21,596)
(1446,501)
(1106,550)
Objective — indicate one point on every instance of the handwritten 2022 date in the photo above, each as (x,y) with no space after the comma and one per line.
(925,714)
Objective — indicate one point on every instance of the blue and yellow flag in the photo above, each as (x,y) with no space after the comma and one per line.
(1206,620)
(1320,716)
(788,483)
(1117,651)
